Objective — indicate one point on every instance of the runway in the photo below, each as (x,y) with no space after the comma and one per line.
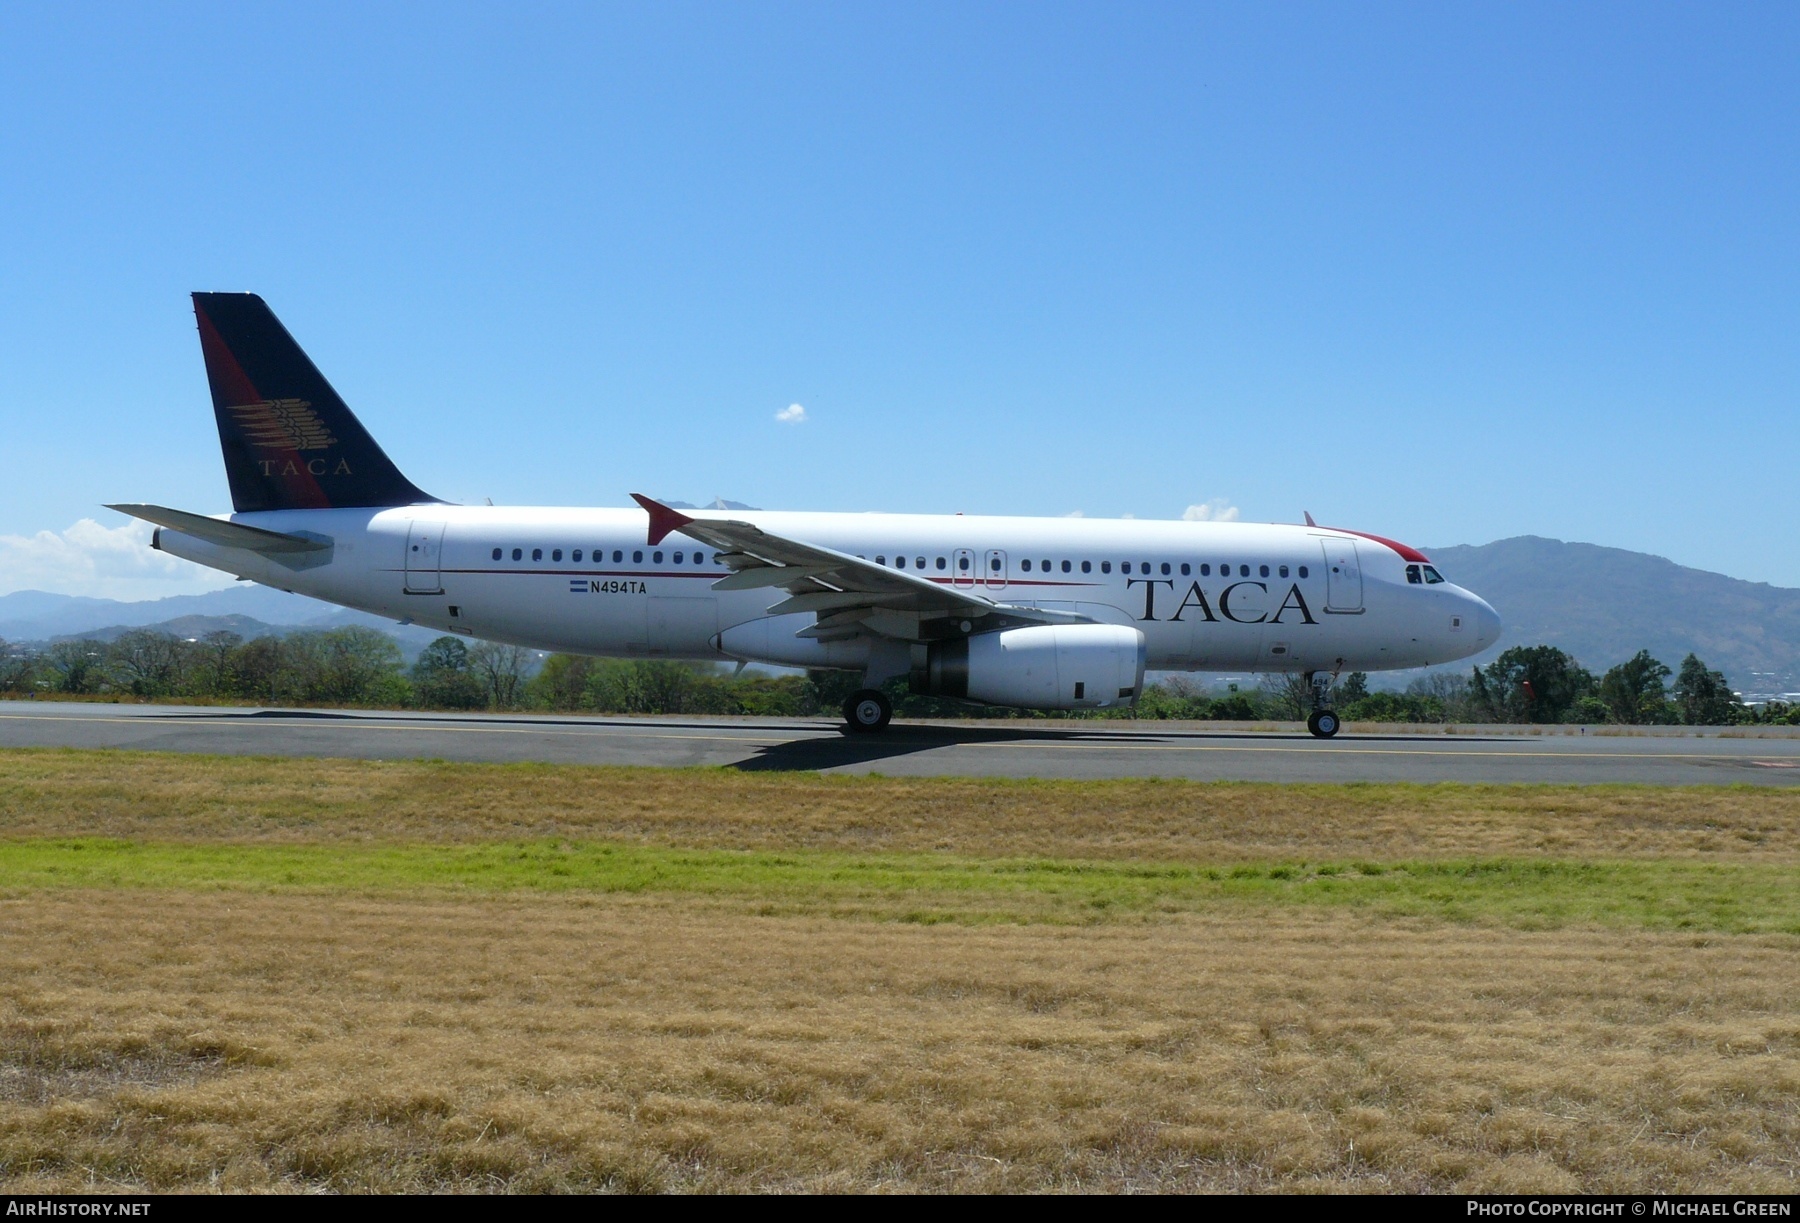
(1071,750)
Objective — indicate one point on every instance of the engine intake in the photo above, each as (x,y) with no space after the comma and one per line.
(1057,666)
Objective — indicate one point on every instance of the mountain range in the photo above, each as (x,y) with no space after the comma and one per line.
(1600,604)
(1603,605)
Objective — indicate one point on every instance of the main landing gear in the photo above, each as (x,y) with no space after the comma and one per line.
(1323,722)
(867,711)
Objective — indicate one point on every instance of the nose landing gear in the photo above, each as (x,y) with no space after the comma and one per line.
(1323,722)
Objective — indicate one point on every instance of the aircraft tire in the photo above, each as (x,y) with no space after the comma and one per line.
(867,711)
(1324,723)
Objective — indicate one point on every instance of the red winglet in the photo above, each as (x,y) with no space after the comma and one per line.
(663,520)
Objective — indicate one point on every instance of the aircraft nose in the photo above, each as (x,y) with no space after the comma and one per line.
(1487,622)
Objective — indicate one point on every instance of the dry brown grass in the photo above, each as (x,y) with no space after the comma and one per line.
(169,797)
(240,1041)
(185,1038)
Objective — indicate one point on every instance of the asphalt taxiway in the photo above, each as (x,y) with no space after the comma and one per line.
(1050,749)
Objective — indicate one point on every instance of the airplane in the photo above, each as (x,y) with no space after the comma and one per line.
(1038,613)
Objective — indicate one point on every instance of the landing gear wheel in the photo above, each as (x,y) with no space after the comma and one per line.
(1324,723)
(867,711)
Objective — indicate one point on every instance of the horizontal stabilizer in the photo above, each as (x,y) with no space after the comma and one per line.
(224,534)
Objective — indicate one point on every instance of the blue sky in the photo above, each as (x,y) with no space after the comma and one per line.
(1448,273)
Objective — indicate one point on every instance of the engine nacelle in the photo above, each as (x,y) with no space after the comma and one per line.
(1056,666)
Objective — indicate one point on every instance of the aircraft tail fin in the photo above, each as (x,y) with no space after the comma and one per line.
(290,442)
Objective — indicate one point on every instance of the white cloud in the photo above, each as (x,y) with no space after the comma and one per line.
(1216,510)
(793,414)
(105,562)
(1074,514)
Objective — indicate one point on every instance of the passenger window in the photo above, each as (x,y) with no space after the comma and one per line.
(993,564)
(556,555)
(517,553)
(1045,565)
(1283,571)
(537,554)
(1066,566)
(962,562)
(940,562)
(1186,570)
(1025,565)
(899,562)
(1206,571)
(1303,571)
(1087,566)
(1412,575)
(618,555)
(1243,571)
(576,556)
(496,554)
(1124,567)
(1432,576)
(678,557)
(699,558)
(1105,566)
(1165,568)
(637,557)
(1263,571)
(918,562)
(657,556)
(880,560)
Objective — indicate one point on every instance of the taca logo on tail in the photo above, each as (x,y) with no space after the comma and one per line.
(290,441)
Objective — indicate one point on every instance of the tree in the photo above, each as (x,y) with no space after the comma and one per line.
(1633,691)
(562,682)
(1537,683)
(1703,697)
(213,655)
(441,677)
(75,665)
(1450,692)
(500,669)
(1287,696)
(1354,688)
(17,668)
(148,662)
(260,670)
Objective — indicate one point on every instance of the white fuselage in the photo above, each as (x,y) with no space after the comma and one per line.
(1206,596)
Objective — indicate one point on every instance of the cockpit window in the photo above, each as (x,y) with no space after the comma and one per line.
(1412,575)
(1432,576)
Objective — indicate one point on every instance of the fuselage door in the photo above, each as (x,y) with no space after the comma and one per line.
(962,568)
(1343,576)
(424,546)
(995,572)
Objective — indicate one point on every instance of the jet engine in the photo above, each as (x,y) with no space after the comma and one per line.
(1061,666)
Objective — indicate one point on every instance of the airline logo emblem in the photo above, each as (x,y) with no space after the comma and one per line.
(283,424)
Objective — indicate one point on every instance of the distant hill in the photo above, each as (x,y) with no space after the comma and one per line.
(247,609)
(1603,605)
(190,627)
(33,615)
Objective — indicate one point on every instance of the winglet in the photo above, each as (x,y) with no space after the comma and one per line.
(663,520)
(1309,521)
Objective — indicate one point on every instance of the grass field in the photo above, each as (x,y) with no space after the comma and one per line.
(300,975)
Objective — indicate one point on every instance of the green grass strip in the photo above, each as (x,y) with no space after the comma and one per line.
(932,887)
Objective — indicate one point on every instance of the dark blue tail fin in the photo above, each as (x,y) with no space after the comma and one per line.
(290,443)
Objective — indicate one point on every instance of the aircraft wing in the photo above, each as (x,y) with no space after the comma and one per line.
(850,595)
